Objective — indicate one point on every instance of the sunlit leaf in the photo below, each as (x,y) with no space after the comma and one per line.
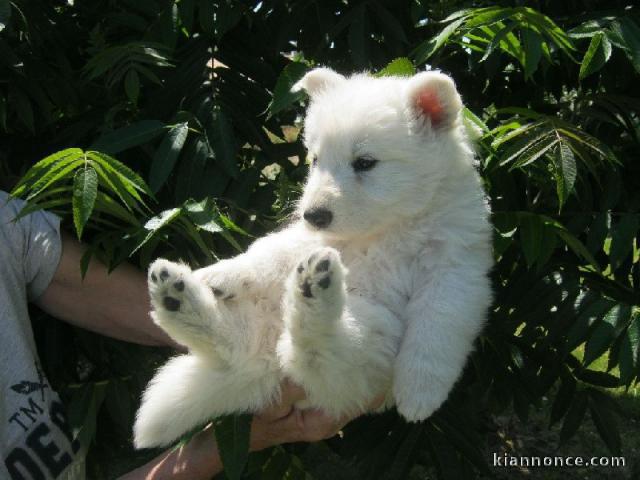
(85,190)
(597,55)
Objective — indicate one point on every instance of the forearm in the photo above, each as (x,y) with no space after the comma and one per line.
(115,304)
(198,459)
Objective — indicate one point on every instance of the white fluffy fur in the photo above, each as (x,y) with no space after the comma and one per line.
(406,254)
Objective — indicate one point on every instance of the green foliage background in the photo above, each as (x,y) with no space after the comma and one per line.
(152,148)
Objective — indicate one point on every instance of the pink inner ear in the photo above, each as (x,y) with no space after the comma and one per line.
(429,103)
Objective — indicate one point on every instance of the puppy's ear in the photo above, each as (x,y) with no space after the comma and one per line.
(433,96)
(317,81)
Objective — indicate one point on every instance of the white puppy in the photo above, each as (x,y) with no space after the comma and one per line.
(379,287)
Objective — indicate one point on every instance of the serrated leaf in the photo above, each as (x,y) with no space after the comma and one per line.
(597,55)
(129,179)
(232,435)
(127,137)
(132,85)
(573,418)
(58,172)
(41,167)
(222,141)
(566,172)
(400,67)
(166,156)
(85,190)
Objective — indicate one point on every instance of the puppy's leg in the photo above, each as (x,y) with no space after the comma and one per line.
(183,306)
(189,391)
(339,348)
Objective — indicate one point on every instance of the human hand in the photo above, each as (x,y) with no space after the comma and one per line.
(283,423)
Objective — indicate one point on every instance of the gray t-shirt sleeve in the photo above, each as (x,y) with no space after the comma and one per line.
(34,244)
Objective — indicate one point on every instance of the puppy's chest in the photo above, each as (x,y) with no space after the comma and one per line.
(384,279)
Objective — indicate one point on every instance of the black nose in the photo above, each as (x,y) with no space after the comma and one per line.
(318,217)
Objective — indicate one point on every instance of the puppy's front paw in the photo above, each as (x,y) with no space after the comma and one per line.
(320,277)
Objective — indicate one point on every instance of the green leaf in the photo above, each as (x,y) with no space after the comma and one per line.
(223,142)
(597,55)
(623,234)
(400,67)
(283,97)
(37,170)
(85,190)
(132,85)
(158,222)
(232,435)
(563,399)
(462,442)
(129,179)
(574,417)
(565,164)
(5,13)
(605,421)
(163,219)
(58,172)
(127,137)
(630,351)
(532,44)
(166,155)
(425,50)
(531,232)
(204,215)
(83,411)
(629,33)
(604,333)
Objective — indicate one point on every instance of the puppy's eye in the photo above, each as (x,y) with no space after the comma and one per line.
(363,164)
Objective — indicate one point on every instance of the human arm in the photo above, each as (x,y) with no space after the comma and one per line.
(114,303)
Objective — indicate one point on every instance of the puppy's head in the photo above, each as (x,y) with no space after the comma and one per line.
(379,148)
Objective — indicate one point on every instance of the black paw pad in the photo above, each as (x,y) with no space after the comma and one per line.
(179,286)
(323,266)
(325,282)
(171,304)
(164,274)
(306,289)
